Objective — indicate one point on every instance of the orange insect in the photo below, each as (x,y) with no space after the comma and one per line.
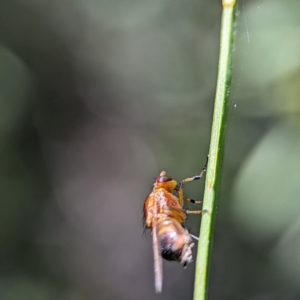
(164,213)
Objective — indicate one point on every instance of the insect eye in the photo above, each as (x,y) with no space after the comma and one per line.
(163,179)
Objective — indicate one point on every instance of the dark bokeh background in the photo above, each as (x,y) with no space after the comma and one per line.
(96,98)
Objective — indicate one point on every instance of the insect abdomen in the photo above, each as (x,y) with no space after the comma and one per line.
(175,241)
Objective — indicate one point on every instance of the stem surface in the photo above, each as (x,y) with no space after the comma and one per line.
(215,152)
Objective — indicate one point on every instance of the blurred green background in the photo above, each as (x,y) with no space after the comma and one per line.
(96,98)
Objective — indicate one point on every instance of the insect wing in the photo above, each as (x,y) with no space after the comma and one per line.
(158,271)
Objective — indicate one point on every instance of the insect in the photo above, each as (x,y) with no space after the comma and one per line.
(164,214)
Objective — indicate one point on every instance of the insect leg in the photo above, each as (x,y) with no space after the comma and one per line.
(192,200)
(180,193)
(194,212)
(197,177)
(180,185)
(181,197)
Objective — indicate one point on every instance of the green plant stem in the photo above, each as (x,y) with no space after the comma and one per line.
(215,153)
